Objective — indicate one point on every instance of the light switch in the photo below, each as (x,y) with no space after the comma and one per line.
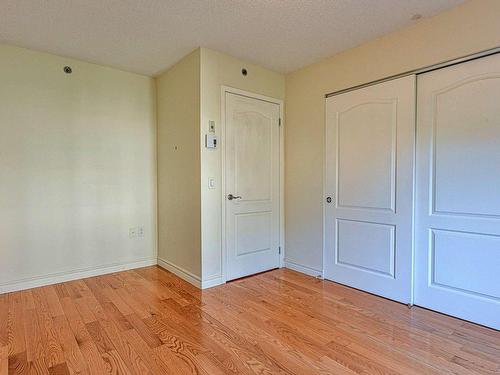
(211,126)
(211,183)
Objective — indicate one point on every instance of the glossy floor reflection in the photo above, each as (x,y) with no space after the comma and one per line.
(148,321)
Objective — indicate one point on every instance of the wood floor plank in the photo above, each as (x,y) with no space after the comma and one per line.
(15,324)
(46,304)
(4,318)
(438,353)
(129,295)
(35,337)
(134,363)
(285,353)
(120,304)
(4,360)
(179,361)
(147,355)
(338,331)
(100,338)
(95,362)
(103,305)
(38,367)
(28,300)
(173,331)
(73,289)
(18,364)
(72,354)
(115,363)
(54,352)
(149,321)
(355,326)
(52,299)
(83,305)
(60,369)
(74,320)
(146,334)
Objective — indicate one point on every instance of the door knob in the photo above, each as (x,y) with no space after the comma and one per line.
(231,197)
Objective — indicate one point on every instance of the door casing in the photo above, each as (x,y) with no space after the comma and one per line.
(231,90)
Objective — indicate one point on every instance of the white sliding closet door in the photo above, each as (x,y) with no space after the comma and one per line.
(369,179)
(458,191)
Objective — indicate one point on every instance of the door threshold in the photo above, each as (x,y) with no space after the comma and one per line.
(252,275)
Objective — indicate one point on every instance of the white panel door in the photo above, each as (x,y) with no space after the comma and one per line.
(457,228)
(252,185)
(369,179)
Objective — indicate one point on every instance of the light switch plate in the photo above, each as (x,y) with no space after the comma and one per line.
(211,126)
(211,183)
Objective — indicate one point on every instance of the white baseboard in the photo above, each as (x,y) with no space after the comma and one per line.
(181,272)
(303,269)
(189,276)
(61,277)
(210,283)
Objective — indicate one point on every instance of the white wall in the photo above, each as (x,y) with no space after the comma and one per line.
(77,168)
(219,70)
(468,28)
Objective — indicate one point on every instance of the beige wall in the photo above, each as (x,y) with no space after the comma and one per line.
(469,28)
(179,200)
(189,223)
(219,70)
(77,168)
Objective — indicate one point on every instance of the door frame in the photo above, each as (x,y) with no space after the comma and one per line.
(231,90)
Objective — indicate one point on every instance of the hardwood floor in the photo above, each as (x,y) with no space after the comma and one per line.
(148,321)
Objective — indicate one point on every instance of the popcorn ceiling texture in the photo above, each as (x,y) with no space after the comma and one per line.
(148,37)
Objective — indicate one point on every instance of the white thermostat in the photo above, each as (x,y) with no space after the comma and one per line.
(210,141)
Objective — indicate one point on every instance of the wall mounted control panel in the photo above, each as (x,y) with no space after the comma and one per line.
(211,141)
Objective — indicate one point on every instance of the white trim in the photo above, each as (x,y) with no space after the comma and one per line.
(156,188)
(210,283)
(303,269)
(181,272)
(414,197)
(282,185)
(323,198)
(60,277)
(232,90)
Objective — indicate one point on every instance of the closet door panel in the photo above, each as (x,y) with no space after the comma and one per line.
(458,191)
(369,180)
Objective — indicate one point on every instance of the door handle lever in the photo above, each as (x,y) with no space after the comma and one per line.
(231,197)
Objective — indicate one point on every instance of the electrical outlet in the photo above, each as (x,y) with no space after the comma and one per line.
(132,232)
(140,232)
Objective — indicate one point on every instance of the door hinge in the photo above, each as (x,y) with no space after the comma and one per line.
(279,250)
(279,121)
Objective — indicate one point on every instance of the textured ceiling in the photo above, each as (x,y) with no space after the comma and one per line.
(148,36)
